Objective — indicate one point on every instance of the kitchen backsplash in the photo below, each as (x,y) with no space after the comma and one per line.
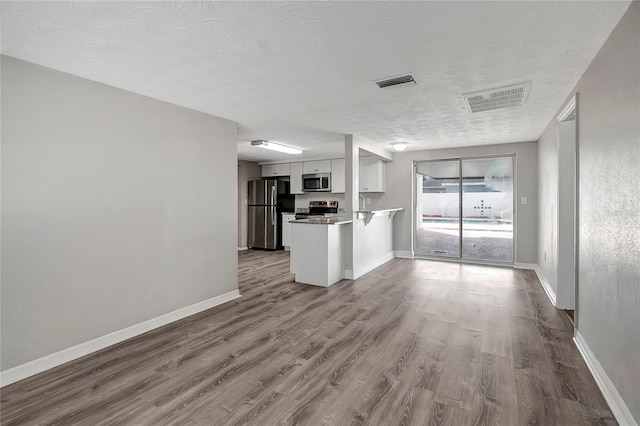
(302,200)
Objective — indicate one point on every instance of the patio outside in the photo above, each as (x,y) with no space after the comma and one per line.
(483,239)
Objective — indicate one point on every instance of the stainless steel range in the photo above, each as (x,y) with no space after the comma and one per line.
(319,208)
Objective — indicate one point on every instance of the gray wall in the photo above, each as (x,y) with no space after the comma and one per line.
(111,209)
(548,204)
(399,177)
(608,304)
(247,170)
(566,215)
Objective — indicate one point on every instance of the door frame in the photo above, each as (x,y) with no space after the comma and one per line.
(570,112)
(460,259)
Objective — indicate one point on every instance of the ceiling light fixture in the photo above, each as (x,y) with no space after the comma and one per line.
(400,146)
(274,146)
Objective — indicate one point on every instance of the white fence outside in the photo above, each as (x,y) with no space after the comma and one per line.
(491,205)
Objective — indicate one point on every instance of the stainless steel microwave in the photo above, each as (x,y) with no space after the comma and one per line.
(316,182)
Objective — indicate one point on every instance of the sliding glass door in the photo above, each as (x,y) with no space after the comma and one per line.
(464,209)
(438,232)
(487,209)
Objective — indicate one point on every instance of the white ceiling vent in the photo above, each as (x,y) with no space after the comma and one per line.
(504,97)
(402,79)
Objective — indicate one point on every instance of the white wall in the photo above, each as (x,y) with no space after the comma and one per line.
(399,178)
(365,246)
(373,241)
(116,208)
(608,302)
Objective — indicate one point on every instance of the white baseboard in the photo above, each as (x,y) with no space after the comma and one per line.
(405,254)
(243,248)
(39,365)
(551,294)
(348,274)
(360,271)
(611,395)
(528,266)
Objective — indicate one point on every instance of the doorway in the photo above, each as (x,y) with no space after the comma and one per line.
(566,200)
(464,209)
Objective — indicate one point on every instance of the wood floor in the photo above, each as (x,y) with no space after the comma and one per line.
(413,342)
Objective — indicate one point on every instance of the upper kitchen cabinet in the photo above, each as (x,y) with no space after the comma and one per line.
(371,174)
(323,166)
(271,170)
(337,175)
(295,181)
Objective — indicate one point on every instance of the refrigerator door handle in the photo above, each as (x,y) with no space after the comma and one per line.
(273,216)
(273,193)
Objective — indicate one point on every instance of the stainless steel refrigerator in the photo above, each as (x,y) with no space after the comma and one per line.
(266,200)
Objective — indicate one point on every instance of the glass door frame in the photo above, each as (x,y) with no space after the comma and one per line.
(460,259)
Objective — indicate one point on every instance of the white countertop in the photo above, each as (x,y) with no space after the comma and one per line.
(367,215)
(380,210)
(323,221)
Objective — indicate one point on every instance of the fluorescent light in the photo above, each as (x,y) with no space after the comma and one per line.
(400,146)
(274,146)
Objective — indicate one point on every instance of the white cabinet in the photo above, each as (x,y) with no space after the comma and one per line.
(323,166)
(371,174)
(286,229)
(295,179)
(270,170)
(337,175)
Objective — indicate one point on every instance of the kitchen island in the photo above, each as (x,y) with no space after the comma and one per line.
(317,250)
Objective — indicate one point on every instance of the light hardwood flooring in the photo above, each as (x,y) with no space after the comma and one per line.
(413,342)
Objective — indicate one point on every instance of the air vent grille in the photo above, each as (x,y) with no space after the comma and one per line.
(505,97)
(403,79)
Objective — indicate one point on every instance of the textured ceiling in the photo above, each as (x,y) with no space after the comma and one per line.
(303,72)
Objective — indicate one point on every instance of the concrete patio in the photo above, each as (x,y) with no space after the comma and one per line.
(488,241)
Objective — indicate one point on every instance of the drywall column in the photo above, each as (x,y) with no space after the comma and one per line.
(352,173)
(352,153)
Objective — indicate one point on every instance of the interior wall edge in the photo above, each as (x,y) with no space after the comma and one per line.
(527,266)
(364,269)
(546,286)
(50,361)
(404,254)
(609,391)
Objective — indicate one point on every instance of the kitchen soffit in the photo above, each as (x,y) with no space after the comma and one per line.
(304,72)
